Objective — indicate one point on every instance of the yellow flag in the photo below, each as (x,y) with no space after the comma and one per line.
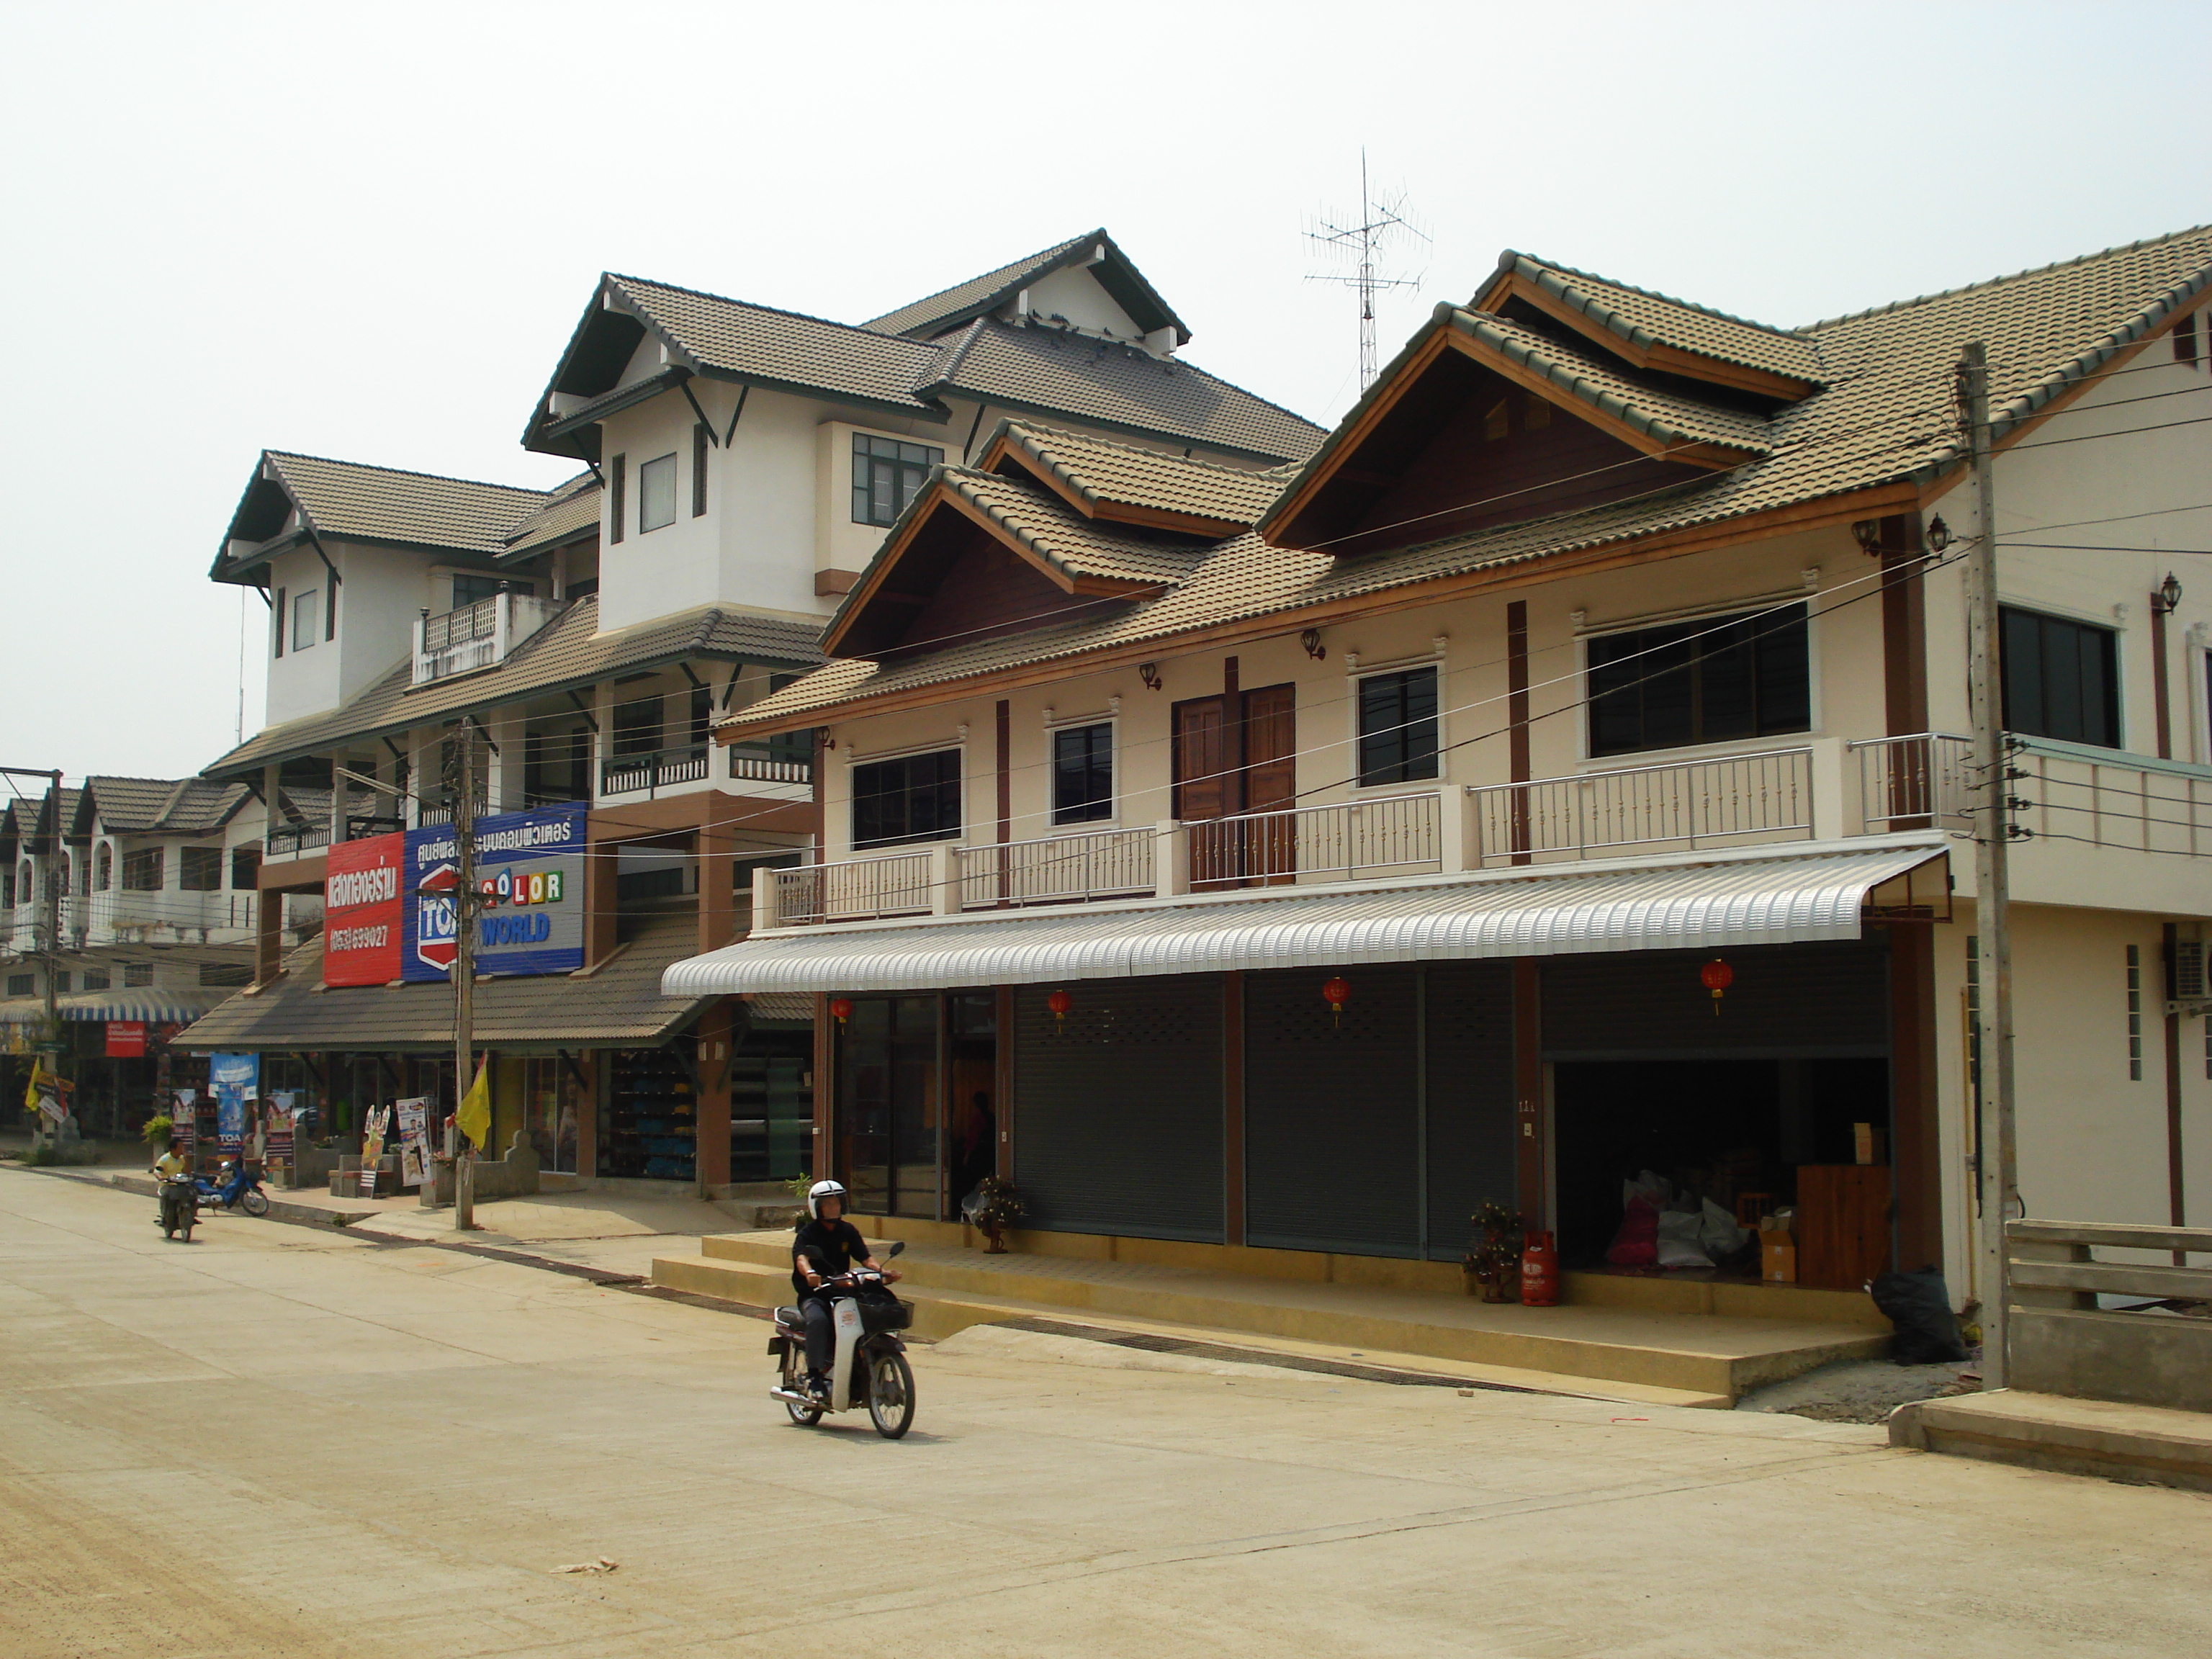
(31,1089)
(474,1117)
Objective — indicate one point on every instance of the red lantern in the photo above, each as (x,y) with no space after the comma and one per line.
(841,1009)
(1717,976)
(1336,992)
(1059,1002)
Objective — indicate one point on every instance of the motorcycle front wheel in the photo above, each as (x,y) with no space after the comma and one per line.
(255,1202)
(890,1394)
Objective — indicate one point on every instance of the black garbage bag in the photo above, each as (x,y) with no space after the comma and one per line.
(1919,1305)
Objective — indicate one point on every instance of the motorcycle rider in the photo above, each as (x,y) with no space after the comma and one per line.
(174,1195)
(824,1246)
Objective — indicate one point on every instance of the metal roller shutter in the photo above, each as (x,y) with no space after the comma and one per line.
(1331,1147)
(1469,1015)
(1117,1117)
(1788,1000)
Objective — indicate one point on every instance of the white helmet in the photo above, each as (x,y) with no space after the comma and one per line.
(820,1190)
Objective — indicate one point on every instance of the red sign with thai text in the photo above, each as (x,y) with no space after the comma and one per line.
(126,1039)
(360,911)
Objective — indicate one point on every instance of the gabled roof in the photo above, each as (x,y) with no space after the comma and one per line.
(1876,440)
(567,653)
(182,807)
(1655,331)
(360,502)
(948,309)
(572,512)
(1130,484)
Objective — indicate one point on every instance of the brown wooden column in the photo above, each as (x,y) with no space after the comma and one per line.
(268,935)
(1532,1177)
(1003,1000)
(824,1154)
(599,893)
(1233,1107)
(1517,720)
(2177,1185)
(586,1080)
(715,849)
(1917,1157)
(711,1111)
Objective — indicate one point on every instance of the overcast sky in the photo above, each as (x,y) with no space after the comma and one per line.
(366,231)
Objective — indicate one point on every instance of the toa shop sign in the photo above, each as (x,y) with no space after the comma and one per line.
(530,882)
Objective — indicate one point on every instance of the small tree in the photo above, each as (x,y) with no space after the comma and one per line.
(158,1129)
(1493,1254)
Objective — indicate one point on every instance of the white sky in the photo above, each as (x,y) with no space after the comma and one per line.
(366,231)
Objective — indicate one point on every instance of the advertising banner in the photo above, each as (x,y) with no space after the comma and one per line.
(360,911)
(281,1127)
(529,875)
(126,1039)
(414,1141)
(185,1121)
(235,1079)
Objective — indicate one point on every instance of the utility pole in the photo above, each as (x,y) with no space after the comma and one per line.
(47,933)
(1997,1145)
(465,965)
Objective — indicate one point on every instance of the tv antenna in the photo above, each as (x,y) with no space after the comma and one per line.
(1380,224)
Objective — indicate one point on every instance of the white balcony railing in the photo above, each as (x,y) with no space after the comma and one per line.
(472,636)
(1349,840)
(1059,869)
(2070,792)
(1724,802)
(1915,783)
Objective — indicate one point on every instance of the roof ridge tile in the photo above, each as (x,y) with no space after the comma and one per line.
(1510,257)
(1988,283)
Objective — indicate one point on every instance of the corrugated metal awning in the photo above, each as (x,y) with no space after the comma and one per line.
(1693,901)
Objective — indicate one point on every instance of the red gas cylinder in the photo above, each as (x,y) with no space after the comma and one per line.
(1540,1271)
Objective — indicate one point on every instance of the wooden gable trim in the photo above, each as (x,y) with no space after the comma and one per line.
(1003,448)
(1386,397)
(1717,458)
(1828,512)
(1065,580)
(1657,356)
(869,588)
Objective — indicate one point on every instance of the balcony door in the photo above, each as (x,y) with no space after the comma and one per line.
(1236,756)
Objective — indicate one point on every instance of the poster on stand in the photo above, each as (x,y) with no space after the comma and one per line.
(361,924)
(414,1141)
(529,878)
(185,1121)
(235,1078)
(281,1125)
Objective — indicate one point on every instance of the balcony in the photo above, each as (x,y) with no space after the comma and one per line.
(289,840)
(760,763)
(651,770)
(479,636)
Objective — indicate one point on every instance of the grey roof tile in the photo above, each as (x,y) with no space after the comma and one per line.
(163,805)
(572,511)
(962,300)
(384,503)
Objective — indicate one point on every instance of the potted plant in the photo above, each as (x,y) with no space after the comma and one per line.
(991,1209)
(1492,1262)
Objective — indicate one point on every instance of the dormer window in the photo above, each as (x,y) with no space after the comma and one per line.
(656,493)
(304,616)
(887,475)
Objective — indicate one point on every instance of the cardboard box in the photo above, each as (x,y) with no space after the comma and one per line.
(1777,1259)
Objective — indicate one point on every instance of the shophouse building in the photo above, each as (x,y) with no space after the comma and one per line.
(739,465)
(1559,774)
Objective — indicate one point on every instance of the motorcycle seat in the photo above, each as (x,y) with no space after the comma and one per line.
(791,1317)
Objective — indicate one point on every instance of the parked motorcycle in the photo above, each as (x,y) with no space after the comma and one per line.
(871,1368)
(238,1189)
(179,1198)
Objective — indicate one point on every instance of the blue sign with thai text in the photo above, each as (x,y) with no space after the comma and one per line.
(530,888)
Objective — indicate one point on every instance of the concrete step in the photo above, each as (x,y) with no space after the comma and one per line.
(938,1315)
(2146,1444)
(1707,1355)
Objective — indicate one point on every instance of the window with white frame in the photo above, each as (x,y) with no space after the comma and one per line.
(1398,726)
(909,797)
(103,876)
(304,615)
(1083,773)
(656,493)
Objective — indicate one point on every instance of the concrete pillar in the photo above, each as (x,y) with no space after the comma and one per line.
(272,814)
(268,935)
(715,848)
(712,1111)
(339,789)
(598,895)
(505,781)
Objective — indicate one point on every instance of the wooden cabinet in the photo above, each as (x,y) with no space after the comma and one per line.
(1843,1223)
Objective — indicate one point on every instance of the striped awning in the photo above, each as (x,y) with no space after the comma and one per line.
(154,1006)
(1698,900)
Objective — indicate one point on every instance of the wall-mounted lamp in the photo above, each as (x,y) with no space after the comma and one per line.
(1150,673)
(1939,534)
(1868,533)
(1311,639)
(2163,602)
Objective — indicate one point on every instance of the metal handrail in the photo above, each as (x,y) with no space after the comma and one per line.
(1083,864)
(1617,807)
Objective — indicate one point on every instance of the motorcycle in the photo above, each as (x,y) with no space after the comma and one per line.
(870,1369)
(239,1189)
(179,1199)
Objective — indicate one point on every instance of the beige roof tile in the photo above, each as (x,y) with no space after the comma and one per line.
(1065,540)
(1643,318)
(1097,470)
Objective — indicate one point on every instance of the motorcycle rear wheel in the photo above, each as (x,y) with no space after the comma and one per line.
(805,1416)
(254,1203)
(890,1394)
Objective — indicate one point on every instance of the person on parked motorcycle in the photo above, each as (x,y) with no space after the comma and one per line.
(167,1168)
(825,1246)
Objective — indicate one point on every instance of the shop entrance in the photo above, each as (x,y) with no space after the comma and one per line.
(1718,1129)
(917,1106)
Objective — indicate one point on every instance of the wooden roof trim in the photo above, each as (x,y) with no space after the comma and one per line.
(1826,512)
(1717,458)
(1347,442)
(1658,355)
(871,581)
(1003,448)
(1060,579)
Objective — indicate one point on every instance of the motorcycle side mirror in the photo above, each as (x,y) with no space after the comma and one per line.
(896,1248)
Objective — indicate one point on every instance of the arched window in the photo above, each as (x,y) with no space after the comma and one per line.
(104,871)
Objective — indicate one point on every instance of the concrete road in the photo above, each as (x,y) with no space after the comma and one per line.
(277,1442)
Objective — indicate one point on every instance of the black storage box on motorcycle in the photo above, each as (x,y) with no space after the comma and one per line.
(888,1314)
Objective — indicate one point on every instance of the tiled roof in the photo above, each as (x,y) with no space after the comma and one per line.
(567,653)
(572,511)
(383,503)
(1052,370)
(163,805)
(1643,318)
(1097,470)
(1657,411)
(1065,540)
(1885,416)
(962,300)
(619,1006)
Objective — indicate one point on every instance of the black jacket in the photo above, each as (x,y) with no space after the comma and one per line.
(831,1246)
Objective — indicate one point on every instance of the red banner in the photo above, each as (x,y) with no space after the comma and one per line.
(126,1039)
(360,911)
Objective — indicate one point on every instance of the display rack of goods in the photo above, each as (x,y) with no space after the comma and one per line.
(653,1116)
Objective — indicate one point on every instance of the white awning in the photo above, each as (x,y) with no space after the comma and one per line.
(1700,901)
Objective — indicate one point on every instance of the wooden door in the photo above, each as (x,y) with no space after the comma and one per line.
(1205,788)
(1271,784)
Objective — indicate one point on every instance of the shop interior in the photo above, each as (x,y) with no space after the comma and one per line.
(917,1101)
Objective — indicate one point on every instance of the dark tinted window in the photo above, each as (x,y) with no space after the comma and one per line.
(201,869)
(1398,726)
(886,474)
(2061,680)
(1082,773)
(1707,681)
(913,797)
